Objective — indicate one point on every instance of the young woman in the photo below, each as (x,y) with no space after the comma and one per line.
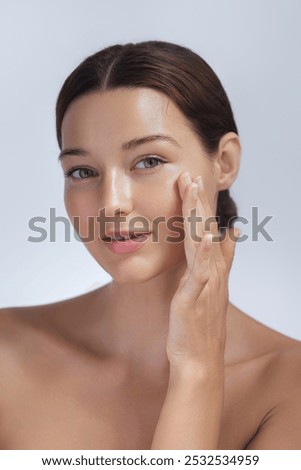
(159,358)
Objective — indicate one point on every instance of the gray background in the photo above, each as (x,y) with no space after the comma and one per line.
(253,46)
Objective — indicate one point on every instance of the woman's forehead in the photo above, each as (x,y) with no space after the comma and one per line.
(124,111)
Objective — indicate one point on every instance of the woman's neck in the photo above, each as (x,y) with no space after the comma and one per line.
(134,318)
(130,321)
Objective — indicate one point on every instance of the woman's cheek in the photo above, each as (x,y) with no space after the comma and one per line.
(82,212)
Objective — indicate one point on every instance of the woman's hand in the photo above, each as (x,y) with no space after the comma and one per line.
(191,414)
(197,328)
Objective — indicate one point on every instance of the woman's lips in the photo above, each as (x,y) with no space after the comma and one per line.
(127,246)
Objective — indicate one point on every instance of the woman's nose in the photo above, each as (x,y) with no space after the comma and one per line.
(116,195)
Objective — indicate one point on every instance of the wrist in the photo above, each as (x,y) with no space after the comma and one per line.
(191,373)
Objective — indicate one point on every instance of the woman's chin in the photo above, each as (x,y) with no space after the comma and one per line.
(133,277)
(138,273)
(139,267)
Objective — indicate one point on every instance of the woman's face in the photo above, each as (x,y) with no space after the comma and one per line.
(128,182)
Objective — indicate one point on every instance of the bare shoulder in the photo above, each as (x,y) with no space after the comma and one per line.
(32,342)
(52,314)
(249,338)
(274,363)
(27,329)
(285,370)
(282,353)
(49,328)
(280,427)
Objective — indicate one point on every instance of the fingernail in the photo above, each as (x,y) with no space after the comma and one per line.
(187,177)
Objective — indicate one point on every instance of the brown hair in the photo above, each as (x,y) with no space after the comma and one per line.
(169,68)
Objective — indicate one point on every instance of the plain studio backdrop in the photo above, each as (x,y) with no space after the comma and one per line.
(253,46)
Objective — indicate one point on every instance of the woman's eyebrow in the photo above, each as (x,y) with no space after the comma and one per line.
(148,138)
(73,151)
(125,146)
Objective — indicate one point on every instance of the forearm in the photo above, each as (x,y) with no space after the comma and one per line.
(191,414)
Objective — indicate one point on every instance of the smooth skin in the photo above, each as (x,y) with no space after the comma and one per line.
(159,358)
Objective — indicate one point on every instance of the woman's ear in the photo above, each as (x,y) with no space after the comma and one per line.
(227,161)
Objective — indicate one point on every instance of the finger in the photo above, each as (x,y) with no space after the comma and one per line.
(189,203)
(189,208)
(209,223)
(228,244)
(204,214)
(197,226)
(198,276)
(183,180)
(199,222)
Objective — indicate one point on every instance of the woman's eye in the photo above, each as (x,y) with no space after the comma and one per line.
(151,160)
(79,173)
(83,173)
